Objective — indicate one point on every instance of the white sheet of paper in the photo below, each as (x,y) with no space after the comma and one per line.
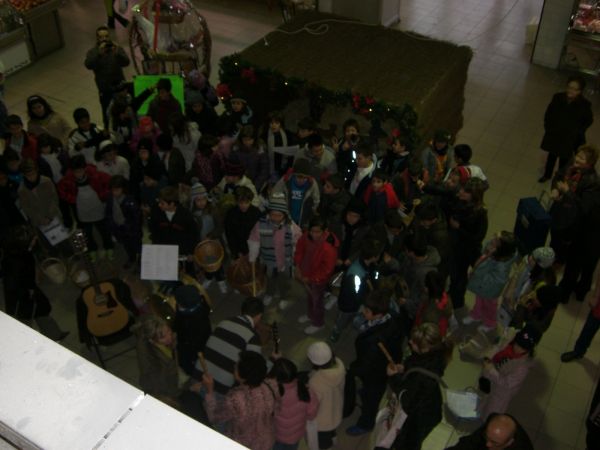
(462,403)
(55,232)
(160,262)
(291,150)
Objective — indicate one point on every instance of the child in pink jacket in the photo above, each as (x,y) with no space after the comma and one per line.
(298,404)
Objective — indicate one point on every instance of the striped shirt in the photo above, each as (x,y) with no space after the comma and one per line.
(223,349)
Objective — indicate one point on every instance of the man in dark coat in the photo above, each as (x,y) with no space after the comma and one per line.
(107,60)
(370,363)
(501,432)
(567,118)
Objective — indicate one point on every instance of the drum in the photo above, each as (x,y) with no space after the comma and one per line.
(209,255)
(240,277)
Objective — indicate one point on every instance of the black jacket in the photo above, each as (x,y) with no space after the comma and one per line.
(565,125)
(370,363)
(422,398)
(238,226)
(467,238)
(181,230)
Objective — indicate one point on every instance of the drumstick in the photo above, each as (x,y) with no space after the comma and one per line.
(202,362)
(385,352)
(253,280)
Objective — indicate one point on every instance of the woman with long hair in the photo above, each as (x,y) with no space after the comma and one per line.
(43,119)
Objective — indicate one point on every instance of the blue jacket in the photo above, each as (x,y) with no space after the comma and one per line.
(490,276)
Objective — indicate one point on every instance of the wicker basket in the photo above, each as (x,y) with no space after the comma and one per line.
(55,269)
(239,276)
(209,255)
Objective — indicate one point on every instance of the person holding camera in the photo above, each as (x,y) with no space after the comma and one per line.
(106,60)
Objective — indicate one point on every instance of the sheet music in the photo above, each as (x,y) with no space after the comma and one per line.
(291,150)
(160,262)
(55,231)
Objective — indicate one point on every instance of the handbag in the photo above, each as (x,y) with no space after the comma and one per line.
(312,435)
(389,421)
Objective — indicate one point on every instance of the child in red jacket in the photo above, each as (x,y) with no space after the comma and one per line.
(87,189)
(379,197)
(315,257)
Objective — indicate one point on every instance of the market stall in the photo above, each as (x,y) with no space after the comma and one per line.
(29,29)
(14,51)
(582,46)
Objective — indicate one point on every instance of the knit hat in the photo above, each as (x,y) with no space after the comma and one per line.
(146,124)
(193,96)
(319,353)
(302,167)
(277,202)
(187,297)
(356,205)
(543,256)
(196,79)
(153,171)
(198,190)
(234,168)
(442,136)
(105,146)
(527,338)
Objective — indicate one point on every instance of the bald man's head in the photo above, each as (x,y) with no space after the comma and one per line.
(500,432)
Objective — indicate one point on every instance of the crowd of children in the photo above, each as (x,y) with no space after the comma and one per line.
(400,229)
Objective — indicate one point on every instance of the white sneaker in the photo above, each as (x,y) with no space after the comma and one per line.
(303,319)
(312,329)
(267,299)
(330,302)
(285,304)
(468,320)
(206,283)
(223,287)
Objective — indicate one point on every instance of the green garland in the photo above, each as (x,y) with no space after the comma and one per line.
(267,90)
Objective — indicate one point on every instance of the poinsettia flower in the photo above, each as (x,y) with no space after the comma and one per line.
(369,100)
(396,132)
(223,90)
(249,75)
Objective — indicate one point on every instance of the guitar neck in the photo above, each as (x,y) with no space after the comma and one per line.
(275,332)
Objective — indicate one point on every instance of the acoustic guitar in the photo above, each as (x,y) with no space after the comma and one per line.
(105,315)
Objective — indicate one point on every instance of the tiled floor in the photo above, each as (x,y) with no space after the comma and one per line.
(505,102)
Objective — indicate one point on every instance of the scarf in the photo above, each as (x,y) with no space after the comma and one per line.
(31,185)
(372,323)
(505,355)
(117,215)
(574,175)
(204,169)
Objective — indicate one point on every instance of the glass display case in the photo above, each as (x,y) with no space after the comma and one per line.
(10,19)
(26,5)
(581,51)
